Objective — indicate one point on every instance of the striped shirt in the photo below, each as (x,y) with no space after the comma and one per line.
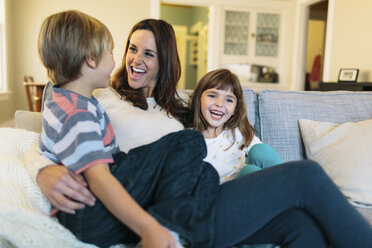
(76,131)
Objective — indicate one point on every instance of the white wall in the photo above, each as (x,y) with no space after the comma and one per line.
(352,38)
(24,19)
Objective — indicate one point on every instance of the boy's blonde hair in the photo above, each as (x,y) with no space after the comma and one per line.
(66,39)
(222,79)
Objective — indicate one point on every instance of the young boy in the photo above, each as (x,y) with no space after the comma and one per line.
(76,50)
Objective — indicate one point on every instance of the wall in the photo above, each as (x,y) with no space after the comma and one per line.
(352,38)
(24,19)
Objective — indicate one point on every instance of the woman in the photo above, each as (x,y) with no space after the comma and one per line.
(294,205)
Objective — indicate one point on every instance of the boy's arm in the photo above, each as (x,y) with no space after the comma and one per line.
(118,201)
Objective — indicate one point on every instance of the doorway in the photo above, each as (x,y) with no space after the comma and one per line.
(191,25)
(315,48)
(300,42)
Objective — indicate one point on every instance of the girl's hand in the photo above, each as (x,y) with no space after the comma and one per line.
(61,187)
(157,237)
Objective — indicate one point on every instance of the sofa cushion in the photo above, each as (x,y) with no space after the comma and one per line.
(30,121)
(344,152)
(250,98)
(279,112)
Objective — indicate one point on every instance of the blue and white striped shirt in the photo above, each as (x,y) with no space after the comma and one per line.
(76,131)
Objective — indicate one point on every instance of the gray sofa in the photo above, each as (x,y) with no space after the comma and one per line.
(274,115)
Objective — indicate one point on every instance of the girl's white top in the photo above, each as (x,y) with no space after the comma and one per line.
(227,160)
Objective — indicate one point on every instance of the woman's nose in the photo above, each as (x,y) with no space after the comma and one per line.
(138,58)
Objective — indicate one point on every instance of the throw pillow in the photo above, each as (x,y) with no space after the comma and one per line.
(344,152)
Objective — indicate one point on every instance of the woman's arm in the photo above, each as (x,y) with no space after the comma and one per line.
(56,183)
(59,186)
(118,201)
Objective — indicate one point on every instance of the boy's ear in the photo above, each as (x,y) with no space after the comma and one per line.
(91,61)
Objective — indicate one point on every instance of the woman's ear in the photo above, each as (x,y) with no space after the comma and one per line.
(91,61)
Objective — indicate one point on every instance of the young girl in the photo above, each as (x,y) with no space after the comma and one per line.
(219,113)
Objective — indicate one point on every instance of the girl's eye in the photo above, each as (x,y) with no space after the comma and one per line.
(132,49)
(230,100)
(211,96)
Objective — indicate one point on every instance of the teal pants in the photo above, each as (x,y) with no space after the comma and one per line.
(259,157)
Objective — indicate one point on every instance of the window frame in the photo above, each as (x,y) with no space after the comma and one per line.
(3,77)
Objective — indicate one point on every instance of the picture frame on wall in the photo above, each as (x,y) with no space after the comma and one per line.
(348,75)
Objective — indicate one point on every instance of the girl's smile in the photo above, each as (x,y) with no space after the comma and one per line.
(217,106)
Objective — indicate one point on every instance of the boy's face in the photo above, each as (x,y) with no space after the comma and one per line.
(104,69)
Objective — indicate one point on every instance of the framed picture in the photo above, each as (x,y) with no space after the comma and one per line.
(348,75)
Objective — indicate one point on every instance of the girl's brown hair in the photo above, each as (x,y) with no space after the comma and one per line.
(165,93)
(222,79)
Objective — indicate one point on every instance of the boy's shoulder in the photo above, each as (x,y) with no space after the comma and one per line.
(68,105)
(69,101)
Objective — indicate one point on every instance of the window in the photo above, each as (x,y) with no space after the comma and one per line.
(3,82)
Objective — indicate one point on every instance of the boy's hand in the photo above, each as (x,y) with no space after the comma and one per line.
(58,185)
(157,237)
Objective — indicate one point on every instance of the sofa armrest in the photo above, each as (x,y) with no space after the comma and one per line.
(28,120)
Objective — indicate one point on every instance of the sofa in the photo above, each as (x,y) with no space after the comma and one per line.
(280,119)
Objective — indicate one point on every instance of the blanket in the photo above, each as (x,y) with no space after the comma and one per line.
(24,211)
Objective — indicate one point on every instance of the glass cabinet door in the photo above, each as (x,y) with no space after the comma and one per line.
(250,33)
(267,35)
(236,40)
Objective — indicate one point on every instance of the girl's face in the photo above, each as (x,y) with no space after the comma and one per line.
(142,61)
(217,106)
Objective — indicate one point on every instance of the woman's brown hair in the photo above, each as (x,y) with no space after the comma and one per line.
(222,79)
(165,93)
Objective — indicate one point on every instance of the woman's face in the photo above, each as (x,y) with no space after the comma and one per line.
(142,62)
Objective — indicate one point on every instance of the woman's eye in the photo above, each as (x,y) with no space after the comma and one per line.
(132,49)
(148,54)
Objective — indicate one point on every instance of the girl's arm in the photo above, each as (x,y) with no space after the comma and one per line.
(118,201)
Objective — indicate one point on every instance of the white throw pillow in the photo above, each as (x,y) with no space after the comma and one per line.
(345,153)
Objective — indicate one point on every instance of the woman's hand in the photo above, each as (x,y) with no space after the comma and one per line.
(157,237)
(66,191)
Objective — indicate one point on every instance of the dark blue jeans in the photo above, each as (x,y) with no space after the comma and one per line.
(295,205)
(170,180)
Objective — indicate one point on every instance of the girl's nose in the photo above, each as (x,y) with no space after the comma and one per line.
(219,101)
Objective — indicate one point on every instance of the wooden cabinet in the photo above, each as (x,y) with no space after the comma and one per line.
(349,86)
